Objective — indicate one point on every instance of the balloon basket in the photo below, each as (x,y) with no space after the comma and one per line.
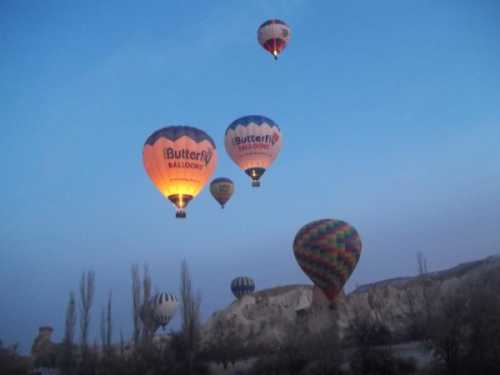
(180,214)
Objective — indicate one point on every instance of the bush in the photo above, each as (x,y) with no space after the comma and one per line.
(381,362)
(11,362)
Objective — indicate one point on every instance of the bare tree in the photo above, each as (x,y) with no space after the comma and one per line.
(136,303)
(147,332)
(87,288)
(70,324)
(122,344)
(109,322)
(422,264)
(102,326)
(67,360)
(225,345)
(106,326)
(190,309)
(449,330)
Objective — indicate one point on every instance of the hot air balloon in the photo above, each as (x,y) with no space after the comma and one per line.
(328,251)
(179,160)
(273,35)
(163,306)
(241,286)
(253,142)
(222,188)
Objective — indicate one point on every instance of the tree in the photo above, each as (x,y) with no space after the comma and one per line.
(136,303)
(87,289)
(147,332)
(190,315)
(11,362)
(483,334)
(421,264)
(67,360)
(109,323)
(102,327)
(448,331)
(323,348)
(225,345)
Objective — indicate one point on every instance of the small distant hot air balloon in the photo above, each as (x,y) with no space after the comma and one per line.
(253,142)
(328,251)
(273,35)
(179,160)
(241,286)
(222,188)
(163,306)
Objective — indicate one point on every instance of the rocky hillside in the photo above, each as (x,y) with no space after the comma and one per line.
(265,316)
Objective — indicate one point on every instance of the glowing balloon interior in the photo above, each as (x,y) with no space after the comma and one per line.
(179,160)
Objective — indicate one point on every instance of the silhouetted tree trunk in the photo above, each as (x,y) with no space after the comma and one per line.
(122,345)
(136,303)
(190,308)
(109,323)
(103,328)
(146,292)
(68,357)
(87,288)
(422,264)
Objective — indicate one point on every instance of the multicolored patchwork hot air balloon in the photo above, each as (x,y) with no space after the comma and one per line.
(179,160)
(253,142)
(241,286)
(328,251)
(222,188)
(273,35)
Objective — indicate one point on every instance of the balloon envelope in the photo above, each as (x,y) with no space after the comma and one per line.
(273,36)
(253,142)
(328,251)
(179,160)
(222,189)
(241,286)
(164,306)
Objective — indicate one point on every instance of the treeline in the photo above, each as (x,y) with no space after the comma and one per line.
(459,328)
(177,353)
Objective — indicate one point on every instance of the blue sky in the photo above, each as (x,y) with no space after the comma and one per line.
(390,113)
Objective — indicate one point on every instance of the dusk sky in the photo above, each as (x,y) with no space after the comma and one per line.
(390,115)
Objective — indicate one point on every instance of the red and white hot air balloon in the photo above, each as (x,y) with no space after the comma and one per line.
(253,142)
(273,36)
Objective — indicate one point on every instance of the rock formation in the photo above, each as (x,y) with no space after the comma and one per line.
(264,317)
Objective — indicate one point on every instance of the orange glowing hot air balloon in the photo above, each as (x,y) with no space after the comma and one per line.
(179,160)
